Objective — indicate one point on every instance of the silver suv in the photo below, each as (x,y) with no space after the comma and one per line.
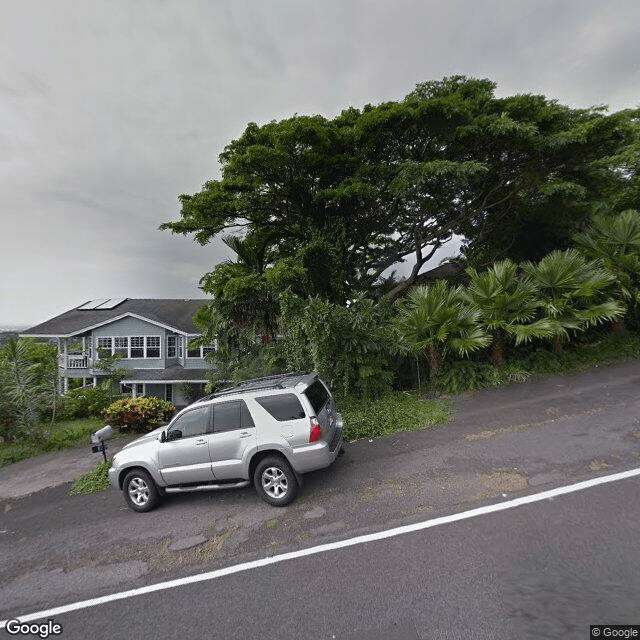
(267,430)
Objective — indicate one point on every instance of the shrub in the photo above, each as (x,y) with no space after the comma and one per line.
(390,412)
(464,375)
(138,414)
(353,348)
(84,403)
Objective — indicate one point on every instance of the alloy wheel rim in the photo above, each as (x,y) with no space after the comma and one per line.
(138,491)
(274,482)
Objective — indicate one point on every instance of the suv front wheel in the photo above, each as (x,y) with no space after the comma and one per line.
(140,491)
(275,481)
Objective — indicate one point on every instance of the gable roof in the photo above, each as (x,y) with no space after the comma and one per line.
(169,313)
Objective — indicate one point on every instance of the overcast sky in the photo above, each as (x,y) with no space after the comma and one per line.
(111,109)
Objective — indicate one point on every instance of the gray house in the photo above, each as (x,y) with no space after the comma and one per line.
(152,336)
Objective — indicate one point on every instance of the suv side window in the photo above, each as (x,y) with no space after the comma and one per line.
(317,395)
(191,423)
(284,406)
(230,416)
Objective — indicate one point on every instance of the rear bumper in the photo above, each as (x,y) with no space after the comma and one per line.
(317,455)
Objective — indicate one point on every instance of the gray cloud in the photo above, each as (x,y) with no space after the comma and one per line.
(113,108)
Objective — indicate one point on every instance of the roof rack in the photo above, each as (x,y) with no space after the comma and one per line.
(255,384)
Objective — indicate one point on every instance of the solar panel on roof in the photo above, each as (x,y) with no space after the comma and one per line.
(92,304)
(111,303)
(103,303)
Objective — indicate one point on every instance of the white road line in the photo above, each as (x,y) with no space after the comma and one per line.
(372,537)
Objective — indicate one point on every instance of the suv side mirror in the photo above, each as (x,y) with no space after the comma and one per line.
(163,436)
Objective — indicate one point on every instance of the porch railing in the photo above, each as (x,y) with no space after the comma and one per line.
(74,361)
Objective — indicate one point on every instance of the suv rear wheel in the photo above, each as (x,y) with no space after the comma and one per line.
(275,481)
(140,491)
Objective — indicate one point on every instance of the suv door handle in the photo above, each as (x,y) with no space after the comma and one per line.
(245,434)
(200,441)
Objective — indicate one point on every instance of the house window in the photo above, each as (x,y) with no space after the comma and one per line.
(137,347)
(106,344)
(139,389)
(171,346)
(168,393)
(208,348)
(132,347)
(121,346)
(180,346)
(200,352)
(153,347)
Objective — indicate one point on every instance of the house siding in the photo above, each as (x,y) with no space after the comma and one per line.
(128,327)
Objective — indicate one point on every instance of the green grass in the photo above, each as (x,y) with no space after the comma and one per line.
(392,412)
(92,482)
(66,434)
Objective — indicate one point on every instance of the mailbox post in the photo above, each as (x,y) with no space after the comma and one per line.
(98,444)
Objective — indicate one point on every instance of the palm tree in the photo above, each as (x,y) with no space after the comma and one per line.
(507,304)
(571,292)
(22,381)
(437,319)
(616,241)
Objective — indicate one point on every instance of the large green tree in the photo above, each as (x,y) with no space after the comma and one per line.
(341,200)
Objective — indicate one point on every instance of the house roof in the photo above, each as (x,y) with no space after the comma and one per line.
(172,314)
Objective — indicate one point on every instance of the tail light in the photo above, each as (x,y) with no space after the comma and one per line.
(316,432)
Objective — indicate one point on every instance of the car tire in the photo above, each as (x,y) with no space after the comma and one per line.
(140,491)
(275,481)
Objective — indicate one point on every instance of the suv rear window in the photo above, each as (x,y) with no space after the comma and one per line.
(285,406)
(317,395)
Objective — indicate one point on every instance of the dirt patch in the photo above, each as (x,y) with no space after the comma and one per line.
(505,481)
(599,465)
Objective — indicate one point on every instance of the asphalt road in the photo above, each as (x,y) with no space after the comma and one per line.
(503,443)
(546,570)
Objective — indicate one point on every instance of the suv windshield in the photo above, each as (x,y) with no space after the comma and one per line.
(317,395)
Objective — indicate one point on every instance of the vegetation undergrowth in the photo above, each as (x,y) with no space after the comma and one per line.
(66,434)
(92,482)
(389,413)
(600,349)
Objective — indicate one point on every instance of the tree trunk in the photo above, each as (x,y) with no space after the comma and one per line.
(434,362)
(619,326)
(497,351)
(557,346)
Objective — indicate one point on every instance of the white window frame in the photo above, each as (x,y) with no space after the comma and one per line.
(118,348)
(212,346)
(146,346)
(172,346)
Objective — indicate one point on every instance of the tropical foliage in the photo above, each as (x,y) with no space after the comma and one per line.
(508,305)
(28,385)
(615,240)
(571,290)
(436,319)
(138,414)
